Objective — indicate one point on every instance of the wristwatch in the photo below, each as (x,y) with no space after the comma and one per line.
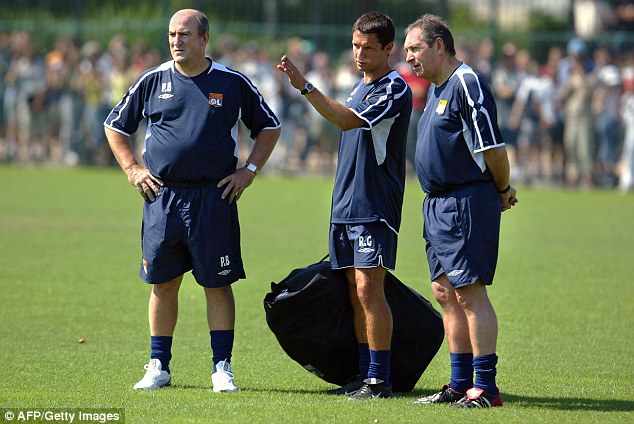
(251,167)
(506,190)
(308,87)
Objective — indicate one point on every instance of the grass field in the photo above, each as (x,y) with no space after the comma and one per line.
(69,255)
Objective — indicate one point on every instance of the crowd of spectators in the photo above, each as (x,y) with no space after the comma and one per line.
(567,121)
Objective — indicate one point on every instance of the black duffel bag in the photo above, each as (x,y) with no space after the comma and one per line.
(310,314)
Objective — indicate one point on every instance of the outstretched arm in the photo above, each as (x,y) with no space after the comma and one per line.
(335,112)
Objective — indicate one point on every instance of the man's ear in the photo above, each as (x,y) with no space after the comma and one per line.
(439,45)
(389,47)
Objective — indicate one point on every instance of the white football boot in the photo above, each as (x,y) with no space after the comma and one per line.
(154,377)
(222,379)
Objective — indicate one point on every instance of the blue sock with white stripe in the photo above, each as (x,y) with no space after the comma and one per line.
(162,350)
(485,371)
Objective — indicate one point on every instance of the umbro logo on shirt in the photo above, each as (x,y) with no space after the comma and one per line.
(166,89)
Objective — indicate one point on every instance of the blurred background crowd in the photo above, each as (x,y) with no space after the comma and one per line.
(567,113)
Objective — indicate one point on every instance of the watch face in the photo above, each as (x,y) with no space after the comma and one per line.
(251,167)
(308,87)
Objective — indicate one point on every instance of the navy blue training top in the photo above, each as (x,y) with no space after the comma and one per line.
(370,178)
(193,122)
(459,123)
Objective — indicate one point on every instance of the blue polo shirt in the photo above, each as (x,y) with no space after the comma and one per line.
(459,123)
(370,177)
(192,129)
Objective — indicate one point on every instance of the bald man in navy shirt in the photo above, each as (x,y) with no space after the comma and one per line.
(191,183)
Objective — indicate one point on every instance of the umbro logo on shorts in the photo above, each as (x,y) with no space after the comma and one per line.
(165,96)
(455,272)
(224,272)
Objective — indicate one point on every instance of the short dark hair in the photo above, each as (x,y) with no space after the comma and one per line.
(432,27)
(203,22)
(376,23)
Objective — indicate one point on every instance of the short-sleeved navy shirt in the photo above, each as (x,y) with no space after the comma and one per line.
(193,122)
(459,123)
(370,178)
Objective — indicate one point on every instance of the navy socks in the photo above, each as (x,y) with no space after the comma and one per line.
(364,360)
(221,345)
(461,371)
(162,350)
(380,365)
(485,372)
(463,366)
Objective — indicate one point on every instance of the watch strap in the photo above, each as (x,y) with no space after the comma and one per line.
(251,167)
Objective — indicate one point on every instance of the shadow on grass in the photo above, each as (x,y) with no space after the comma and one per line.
(250,389)
(561,404)
(570,404)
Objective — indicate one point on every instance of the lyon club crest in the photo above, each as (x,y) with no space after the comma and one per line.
(215,99)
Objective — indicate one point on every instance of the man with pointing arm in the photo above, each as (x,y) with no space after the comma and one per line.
(368,191)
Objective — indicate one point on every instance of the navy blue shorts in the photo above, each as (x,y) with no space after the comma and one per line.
(366,245)
(462,233)
(191,229)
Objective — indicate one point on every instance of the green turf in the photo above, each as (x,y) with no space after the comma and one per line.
(69,255)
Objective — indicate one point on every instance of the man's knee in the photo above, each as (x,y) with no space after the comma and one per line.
(219,294)
(368,287)
(367,292)
(167,289)
(443,292)
(472,296)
